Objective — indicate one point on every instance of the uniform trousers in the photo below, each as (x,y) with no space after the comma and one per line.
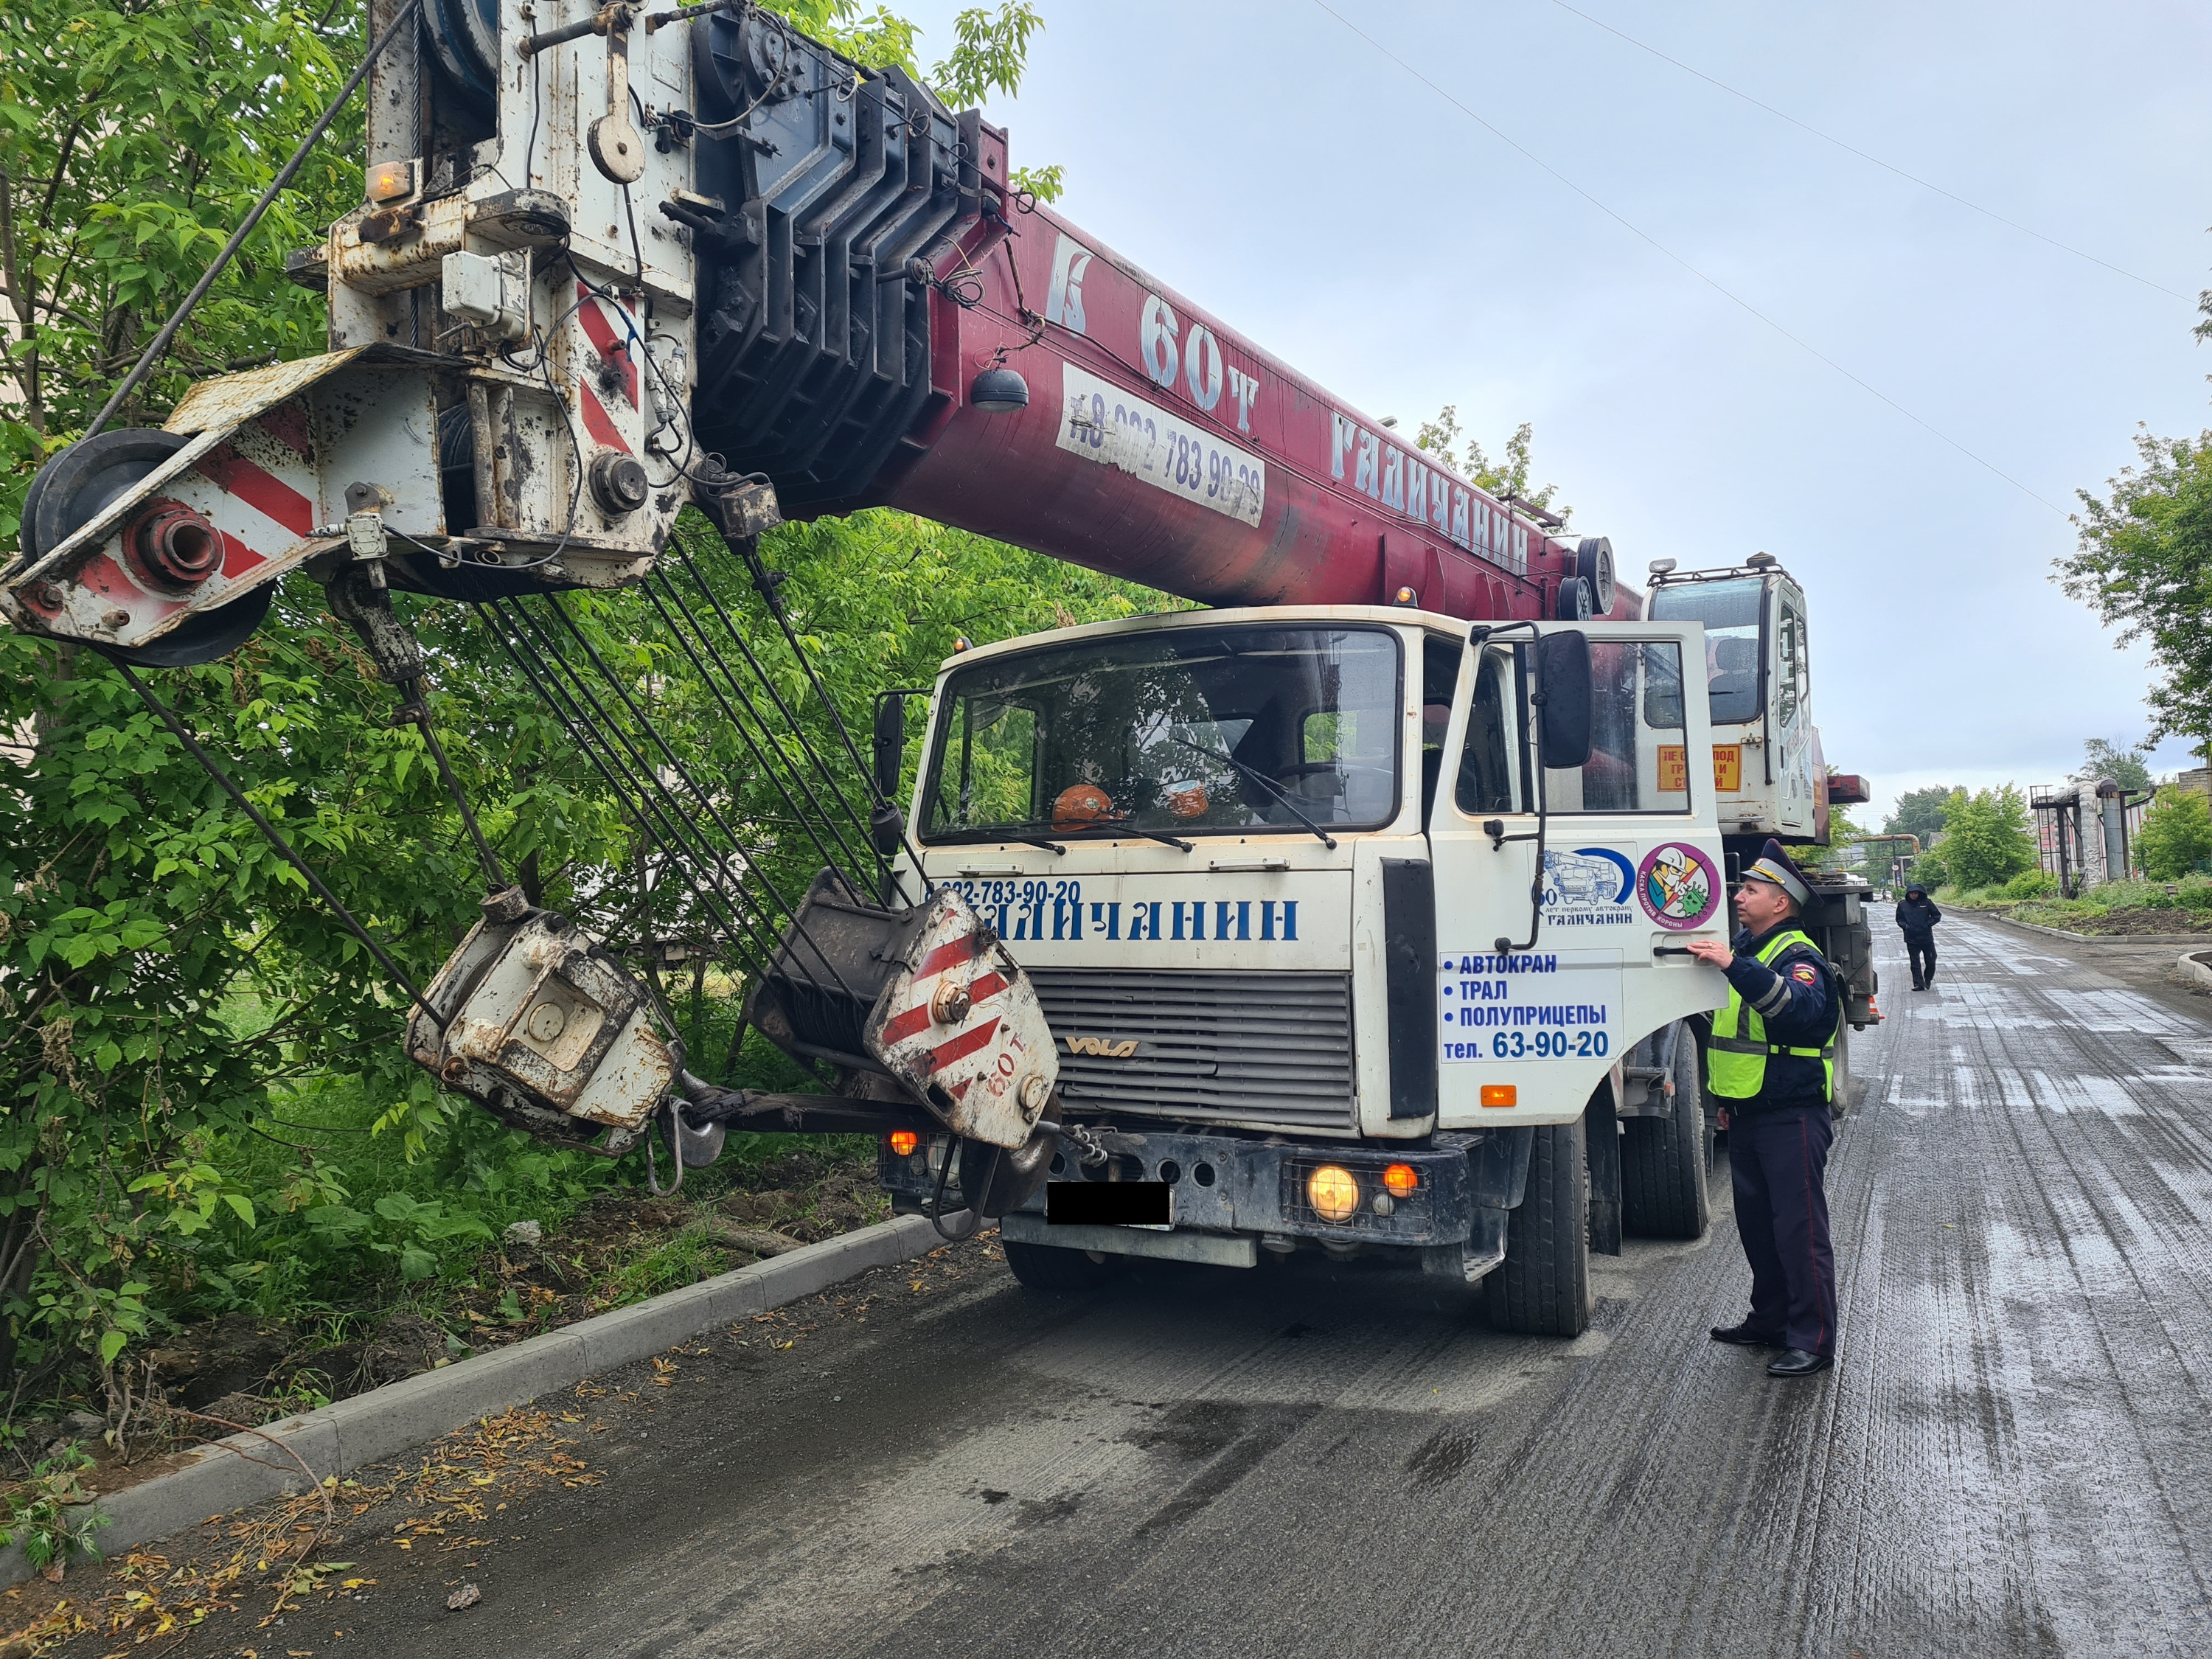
(1921,947)
(1778,1158)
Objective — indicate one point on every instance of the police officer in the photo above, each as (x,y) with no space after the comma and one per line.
(1773,1067)
(1916,916)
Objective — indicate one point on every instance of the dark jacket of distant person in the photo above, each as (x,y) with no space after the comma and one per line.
(1797,998)
(1916,914)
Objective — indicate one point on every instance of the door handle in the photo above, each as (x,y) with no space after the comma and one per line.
(1670,951)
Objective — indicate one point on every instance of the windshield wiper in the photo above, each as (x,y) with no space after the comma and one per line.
(1013,832)
(1247,769)
(1108,827)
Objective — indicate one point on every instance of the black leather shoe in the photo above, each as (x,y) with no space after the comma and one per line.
(1795,1362)
(1745,1336)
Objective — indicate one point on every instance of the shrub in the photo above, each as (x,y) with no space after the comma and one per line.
(2196,893)
(2176,837)
(50,1516)
(2030,884)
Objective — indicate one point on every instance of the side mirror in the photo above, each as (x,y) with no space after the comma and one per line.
(888,757)
(1562,699)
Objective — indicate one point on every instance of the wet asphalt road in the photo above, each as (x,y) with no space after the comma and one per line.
(2011,1457)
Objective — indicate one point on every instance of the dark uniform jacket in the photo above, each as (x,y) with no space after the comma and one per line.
(1796,998)
(1918,917)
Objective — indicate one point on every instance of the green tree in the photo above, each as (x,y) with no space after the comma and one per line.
(2128,767)
(134,134)
(165,980)
(1507,476)
(1919,812)
(2176,837)
(2144,563)
(1986,836)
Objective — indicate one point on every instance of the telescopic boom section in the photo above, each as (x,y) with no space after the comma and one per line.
(1074,404)
(1161,444)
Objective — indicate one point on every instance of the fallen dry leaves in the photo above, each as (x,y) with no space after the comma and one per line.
(460,1483)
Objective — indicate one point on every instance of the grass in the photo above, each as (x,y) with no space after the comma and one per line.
(348,1233)
(2116,908)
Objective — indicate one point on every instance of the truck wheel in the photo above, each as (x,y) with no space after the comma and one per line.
(1049,1268)
(1842,1103)
(1542,1288)
(1663,1159)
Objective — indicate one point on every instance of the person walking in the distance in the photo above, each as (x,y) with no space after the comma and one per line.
(1916,916)
(1772,1062)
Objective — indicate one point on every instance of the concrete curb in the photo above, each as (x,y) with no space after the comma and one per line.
(2094,938)
(370,1427)
(2197,968)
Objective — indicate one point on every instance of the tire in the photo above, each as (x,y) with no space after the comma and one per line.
(1594,564)
(1664,1160)
(1842,1103)
(1542,1288)
(1049,1268)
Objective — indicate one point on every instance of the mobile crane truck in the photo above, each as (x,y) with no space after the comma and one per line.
(1348,914)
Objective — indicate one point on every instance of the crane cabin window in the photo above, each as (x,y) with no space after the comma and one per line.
(1790,662)
(1639,753)
(1731,611)
(1183,732)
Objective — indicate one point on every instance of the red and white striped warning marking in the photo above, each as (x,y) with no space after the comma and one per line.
(613,345)
(987,1063)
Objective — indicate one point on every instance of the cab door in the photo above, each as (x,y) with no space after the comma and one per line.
(1565,894)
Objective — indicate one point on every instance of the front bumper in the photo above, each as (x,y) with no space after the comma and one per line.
(1224,1184)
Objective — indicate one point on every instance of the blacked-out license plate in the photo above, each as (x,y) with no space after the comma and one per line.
(1108,1203)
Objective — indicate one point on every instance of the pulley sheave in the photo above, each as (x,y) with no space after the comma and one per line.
(464,37)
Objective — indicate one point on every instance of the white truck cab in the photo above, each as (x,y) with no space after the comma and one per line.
(1353,889)
(1767,771)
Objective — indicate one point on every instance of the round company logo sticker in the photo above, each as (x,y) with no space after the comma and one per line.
(1678,885)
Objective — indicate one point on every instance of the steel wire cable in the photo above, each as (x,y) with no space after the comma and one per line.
(160,343)
(767,588)
(741,915)
(675,764)
(1864,156)
(694,844)
(872,861)
(737,920)
(766,584)
(167,716)
(769,771)
(1714,283)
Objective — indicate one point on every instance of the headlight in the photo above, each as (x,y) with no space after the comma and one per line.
(1333,1193)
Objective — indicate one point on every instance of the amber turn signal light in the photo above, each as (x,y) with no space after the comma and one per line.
(390,180)
(1500,1094)
(1402,1179)
(904,1141)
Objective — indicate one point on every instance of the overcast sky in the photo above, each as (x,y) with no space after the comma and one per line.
(1284,172)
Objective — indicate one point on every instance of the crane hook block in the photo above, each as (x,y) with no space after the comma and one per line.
(537,1023)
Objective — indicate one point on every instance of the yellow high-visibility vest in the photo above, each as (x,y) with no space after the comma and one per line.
(1739,1049)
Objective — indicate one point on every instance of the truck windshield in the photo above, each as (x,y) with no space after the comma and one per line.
(1188,731)
(1729,611)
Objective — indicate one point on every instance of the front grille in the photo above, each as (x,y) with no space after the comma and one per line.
(1266,1048)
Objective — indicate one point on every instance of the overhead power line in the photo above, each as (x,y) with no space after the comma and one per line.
(1887,167)
(1641,234)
